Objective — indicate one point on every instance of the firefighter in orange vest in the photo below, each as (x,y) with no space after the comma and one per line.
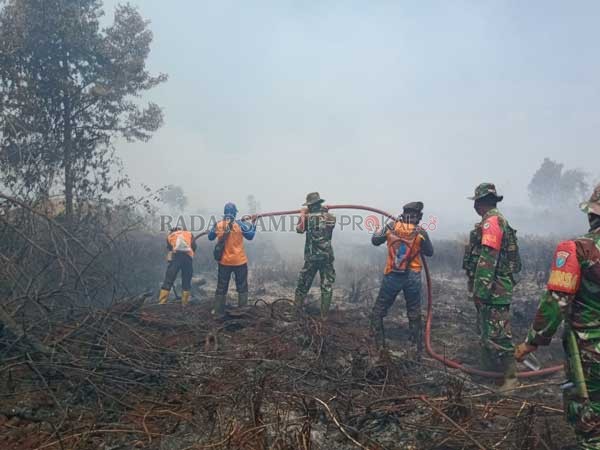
(181,247)
(406,243)
(232,258)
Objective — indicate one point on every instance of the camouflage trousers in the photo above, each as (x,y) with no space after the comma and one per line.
(497,349)
(584,416)
(305,281)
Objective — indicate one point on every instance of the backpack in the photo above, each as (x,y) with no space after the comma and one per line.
(404,250)
(511,250)
(472,251)
(318,237)
(220,245)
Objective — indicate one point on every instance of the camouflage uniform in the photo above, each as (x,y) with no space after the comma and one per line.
(318,224)
(490,262)
(573,295)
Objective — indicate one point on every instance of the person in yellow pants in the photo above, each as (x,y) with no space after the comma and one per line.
(181,246)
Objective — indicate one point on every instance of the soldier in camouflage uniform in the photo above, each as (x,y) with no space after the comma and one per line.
(318,224)
(491,260)
(573,296)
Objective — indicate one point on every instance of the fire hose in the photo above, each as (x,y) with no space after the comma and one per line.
(428,321)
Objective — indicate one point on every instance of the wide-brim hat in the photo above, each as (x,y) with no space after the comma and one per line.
(484,190)
(312,199)
(592,206)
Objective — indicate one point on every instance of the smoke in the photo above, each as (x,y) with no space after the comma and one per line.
(369,103)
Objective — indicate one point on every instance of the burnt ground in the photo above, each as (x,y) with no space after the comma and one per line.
(140,375)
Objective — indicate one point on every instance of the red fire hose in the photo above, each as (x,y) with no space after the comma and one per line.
(457,365)
(428,346)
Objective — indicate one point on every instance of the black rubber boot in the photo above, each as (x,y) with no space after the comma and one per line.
(243,299)
(325,304)
(378,332)
(415,327)
(219,308)
(299,300)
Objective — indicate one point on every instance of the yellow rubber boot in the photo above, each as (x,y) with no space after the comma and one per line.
(163,297)
(185,298)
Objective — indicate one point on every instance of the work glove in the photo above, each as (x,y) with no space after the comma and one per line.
(523,350)
(389,226)
(381,232)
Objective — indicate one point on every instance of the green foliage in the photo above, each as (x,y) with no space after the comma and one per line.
(67,89)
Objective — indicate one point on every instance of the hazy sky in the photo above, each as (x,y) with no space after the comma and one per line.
(377,102)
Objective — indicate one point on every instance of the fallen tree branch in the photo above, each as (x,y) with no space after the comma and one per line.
(339,425)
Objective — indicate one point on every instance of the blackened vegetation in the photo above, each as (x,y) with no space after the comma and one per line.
(88,361)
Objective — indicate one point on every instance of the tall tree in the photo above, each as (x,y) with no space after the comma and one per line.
(552,186)
(543,188)
(174,197)
(68,88)
(573,186)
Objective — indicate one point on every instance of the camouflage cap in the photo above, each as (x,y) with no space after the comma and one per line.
(485,189)
(593,205)
(414,206)
(313,198)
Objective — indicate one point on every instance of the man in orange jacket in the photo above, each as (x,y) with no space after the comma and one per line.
(407,243)
(181,247)
(233,259)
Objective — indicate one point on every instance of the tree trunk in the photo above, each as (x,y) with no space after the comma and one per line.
(68,158)
(68,186)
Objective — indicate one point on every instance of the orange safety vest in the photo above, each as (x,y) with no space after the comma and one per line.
(406,238)
(181,241)
(234,253)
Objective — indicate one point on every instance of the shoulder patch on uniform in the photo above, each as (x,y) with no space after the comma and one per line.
(492,233)
(565,275)
(561,258)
